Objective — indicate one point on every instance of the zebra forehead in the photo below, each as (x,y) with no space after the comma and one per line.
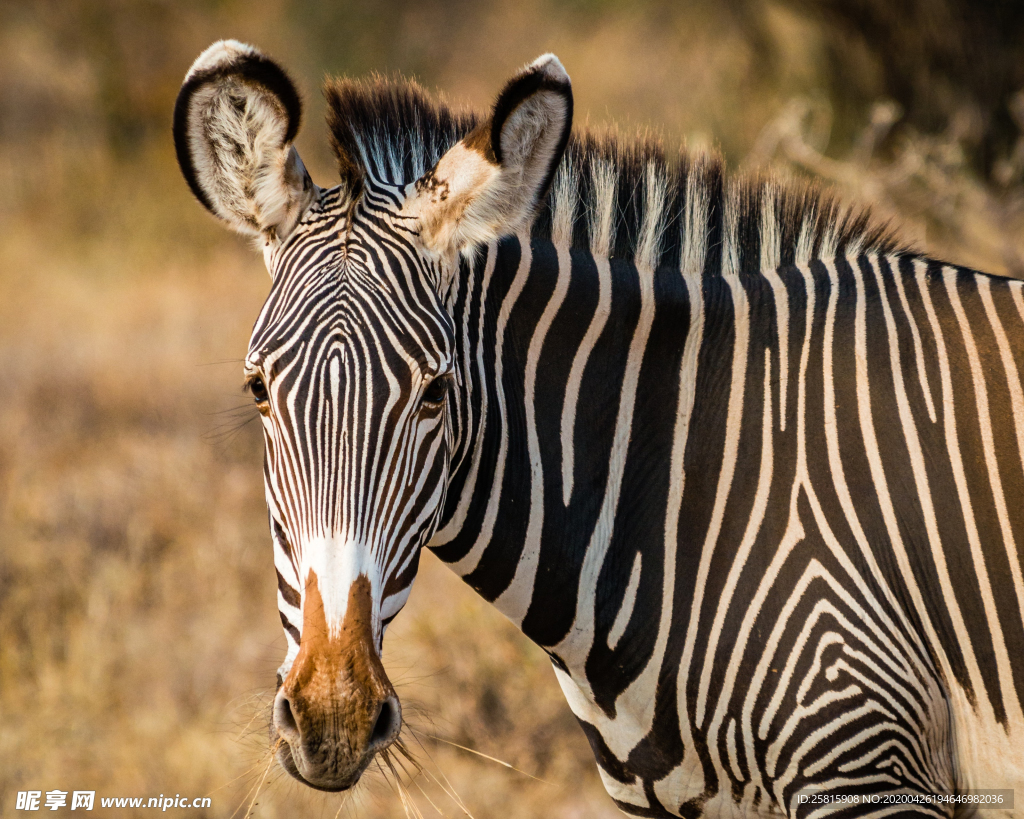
(309,341)
(612,195)
(340,306)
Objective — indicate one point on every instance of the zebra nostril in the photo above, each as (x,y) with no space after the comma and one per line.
(389,720)
(284,719)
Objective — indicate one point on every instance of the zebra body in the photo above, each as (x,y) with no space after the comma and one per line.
(748,473)
(730,637)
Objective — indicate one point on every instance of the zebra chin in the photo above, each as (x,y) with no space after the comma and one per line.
(286,760)
(329,780)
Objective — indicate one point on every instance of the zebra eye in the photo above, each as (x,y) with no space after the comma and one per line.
(258,389)
(436,391)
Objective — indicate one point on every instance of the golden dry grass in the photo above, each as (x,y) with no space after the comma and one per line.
(138,627)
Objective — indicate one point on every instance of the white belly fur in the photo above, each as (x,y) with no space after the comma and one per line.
(989,756)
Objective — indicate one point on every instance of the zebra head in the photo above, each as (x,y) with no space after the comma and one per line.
(353,359)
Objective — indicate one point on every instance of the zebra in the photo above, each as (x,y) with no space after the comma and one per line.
(744,465)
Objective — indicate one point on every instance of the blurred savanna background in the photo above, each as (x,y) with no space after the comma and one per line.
(138,627)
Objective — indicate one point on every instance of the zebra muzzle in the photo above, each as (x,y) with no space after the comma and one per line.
(336,709)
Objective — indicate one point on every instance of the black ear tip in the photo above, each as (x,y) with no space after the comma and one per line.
(220,57)
(545,73)
(230,58)
(551,68)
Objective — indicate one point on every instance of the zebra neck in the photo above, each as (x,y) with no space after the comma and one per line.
(563,463)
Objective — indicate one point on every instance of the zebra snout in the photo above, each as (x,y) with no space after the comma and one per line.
(336,708)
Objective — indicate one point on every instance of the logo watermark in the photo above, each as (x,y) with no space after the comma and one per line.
(87,801)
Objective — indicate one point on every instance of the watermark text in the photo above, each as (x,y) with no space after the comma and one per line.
(977,799)
(87,801)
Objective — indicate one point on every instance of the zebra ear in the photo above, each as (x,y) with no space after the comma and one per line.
(490,183)
(234,121)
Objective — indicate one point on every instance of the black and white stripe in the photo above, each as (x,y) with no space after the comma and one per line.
(828,592)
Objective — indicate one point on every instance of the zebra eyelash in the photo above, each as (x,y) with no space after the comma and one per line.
(257,387)
(436,392)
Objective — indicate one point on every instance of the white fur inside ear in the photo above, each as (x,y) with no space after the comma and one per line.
(529,139)
(457,202)
(468,198)
(235,135)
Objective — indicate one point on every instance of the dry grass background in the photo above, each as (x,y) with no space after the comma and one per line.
(138,626)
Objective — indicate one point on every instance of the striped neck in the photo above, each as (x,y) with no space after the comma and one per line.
(553,348)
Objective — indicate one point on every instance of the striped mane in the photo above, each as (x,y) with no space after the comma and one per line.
(612,196)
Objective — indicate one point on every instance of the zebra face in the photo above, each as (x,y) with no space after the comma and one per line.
(351,369)
(352,361)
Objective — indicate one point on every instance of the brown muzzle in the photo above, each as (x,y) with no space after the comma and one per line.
(336,708)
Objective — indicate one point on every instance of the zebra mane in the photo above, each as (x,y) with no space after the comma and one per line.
(612,196)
